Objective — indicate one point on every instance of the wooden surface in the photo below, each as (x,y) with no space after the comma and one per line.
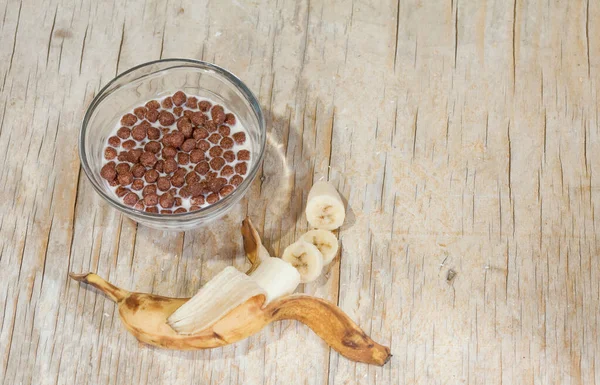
(463,134)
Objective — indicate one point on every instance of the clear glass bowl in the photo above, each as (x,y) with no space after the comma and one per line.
(154,80)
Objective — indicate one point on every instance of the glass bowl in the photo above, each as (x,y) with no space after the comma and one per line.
(154,80)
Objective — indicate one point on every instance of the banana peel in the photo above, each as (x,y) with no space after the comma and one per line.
(145,316)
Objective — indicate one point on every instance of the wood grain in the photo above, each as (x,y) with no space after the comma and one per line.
(463,135)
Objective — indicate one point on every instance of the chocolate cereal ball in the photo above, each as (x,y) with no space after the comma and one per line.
(188,145)
(122,191)
(215,151)
(138,170)
(169,152)
(167,102)
(226,190)
(153,105)
(109,172)
(183,158)
(153,147)
(176,139)
(202,168)
(129,144)
(140,112)
(239,137)
(230,119)
(160,166)
(218,114)
(150,189)
(216,184)
(204,105)
(192,177)
(122,168)
(198,201)
(148,159)
(123,132)
(110,153)
(170,165)
(236,180)
(217,163)
(163,183)
(184,192)
(179,98)
(229,156)
(139,132)
(212,198)
(198,118)
(130,199)
(214,138)
(185,126)
(196,156)
(226,143)
(243,155)
(241,168)
(152,116)
(210,126)
(137,184)
(128,120)
(153,133)
(191,102)
(114,141)
(200,133)
(203,145)
(166,200)
(151,200)
(224,130)
(151,176)
(125,179)
(166,118)
(227,171)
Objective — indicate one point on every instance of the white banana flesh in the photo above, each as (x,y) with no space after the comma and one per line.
(276,277)
(325,241)
(324,207)
(306,258)
(226,291)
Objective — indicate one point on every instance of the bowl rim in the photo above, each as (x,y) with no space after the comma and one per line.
(210,212)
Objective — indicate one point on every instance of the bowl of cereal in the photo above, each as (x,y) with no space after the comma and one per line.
(174,143)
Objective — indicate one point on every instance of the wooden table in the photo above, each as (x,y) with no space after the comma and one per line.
(463,135)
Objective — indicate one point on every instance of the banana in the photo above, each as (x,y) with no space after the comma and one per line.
(149,317)
(145,316)
(306,258)
(324,207)
(325,241)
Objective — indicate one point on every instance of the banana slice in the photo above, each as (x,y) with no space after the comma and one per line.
(306,258)
(325,241)
(324,207)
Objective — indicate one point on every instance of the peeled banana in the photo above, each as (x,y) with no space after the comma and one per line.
(276,277)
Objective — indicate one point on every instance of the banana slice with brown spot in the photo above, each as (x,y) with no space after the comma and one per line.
(325,241)
(324,207)
(306,258)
